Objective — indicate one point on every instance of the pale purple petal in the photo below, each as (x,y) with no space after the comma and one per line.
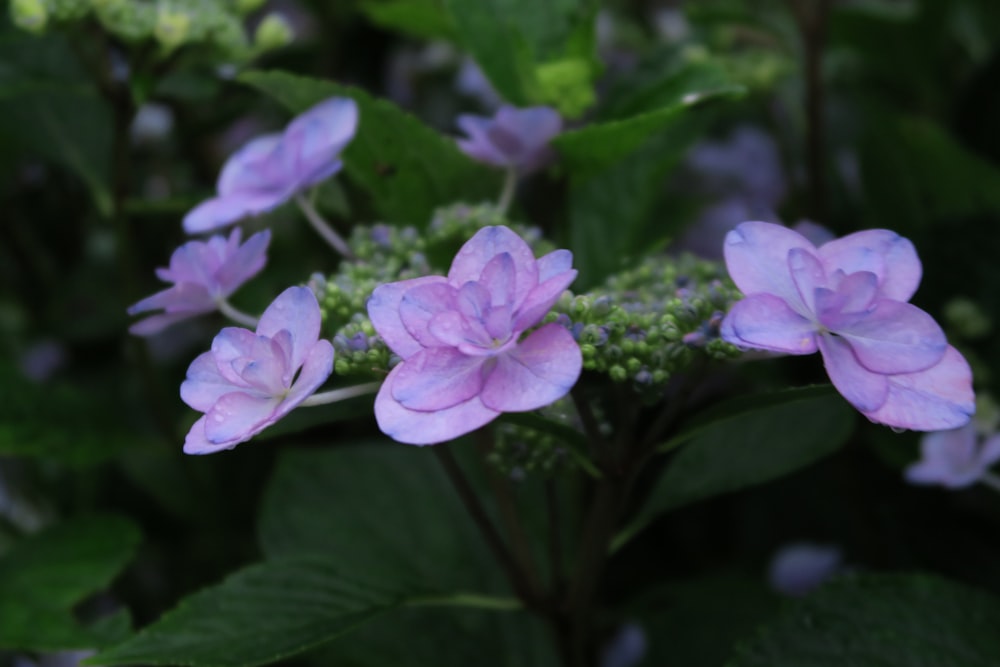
(437,378)
(947,458)
(541,299)
(243,264)
(316,368)
(498,278)
(766,322)
(486,244)
(479,146)
(154,324)
(226,210)
(420,304)
(450,328)
(383,311)
(534,126)
(862,388)
(936,399)
(989,453)
(316,137)
(204,384)
(799,568)
(885,253)
(809,277)
(297,311)
(190,298)
(236,417)
(230,348)
(554,263)
(891,338)
(854,294)
(197,443)
(427,428)
(757,258)
(242,171)
(540,370)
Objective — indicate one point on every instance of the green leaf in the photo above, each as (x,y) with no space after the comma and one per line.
(58,421)
(408,169)
(49,109)
(423,19)
(43,576)
(881,620)
(745,442)
(380,501)
(260,614)
(510,38)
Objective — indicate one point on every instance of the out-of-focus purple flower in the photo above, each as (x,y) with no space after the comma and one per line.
(248,381)
(42,359)
(513,138)
(954,459)
(627,648)
(848,299)
(204,273)
(800,567)
(269,170)
(470,80)
(460,340)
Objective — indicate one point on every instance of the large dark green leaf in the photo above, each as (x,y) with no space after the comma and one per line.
(259,615)
(749,441)
(382,509)
(424,19)
(43,576)
(408,169)
(878,621)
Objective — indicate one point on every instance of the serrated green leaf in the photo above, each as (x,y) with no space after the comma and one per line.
(260,614)
(748,441)
(44,575)
(408,169)
(379,501)
(881,620)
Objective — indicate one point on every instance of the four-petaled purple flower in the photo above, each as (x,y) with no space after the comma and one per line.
(248,381)
(514,138)
(460,338)
(204,273)
(269,170)
(954,459)
(848,299)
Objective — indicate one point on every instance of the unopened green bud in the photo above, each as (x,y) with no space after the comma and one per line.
(618,373)
(567,85)
(273,32)
(29,15)
(172,27)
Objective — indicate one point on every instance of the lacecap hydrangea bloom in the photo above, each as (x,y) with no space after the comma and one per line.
(848,298)
(203,273)
(464,360)
(269,170)
(513,138)
(248,380)
(954,459)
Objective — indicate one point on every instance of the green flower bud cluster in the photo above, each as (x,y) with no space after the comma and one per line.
(215,24)
(453,225)
(520,450)
(646,324)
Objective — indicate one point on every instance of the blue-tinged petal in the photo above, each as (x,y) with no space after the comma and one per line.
(197,443)
(226,210)
(809,278)
(296,311)
(486,244)
(862,388)
(236,417)
(316,369)
(537,372)
(438,378)
(853,294)
(243,170)
(893,337)
(498,278)
(885,253)
(204,384)
(420,304)
(757,259)
(383,311)
(554,263)
(244,263)
(541,299)
(947,458)
(765,321)
(415,427)
(935,399)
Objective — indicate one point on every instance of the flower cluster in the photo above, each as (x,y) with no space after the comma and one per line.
(848,298)
(460,339)
(204,274)
(248,380)
(954,459)
(513,139)
(271,169)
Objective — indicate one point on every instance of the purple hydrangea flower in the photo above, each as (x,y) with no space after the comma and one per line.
(460,338)
(954,459)
(204,273)
(800,567)
(513,138)
(848,299)
(269,170)
(248,381)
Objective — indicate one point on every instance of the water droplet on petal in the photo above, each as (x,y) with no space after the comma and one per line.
(897,429)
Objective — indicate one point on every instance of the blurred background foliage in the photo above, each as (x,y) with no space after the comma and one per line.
(685,118)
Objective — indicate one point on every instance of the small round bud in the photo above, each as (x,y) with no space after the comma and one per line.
(29,15)
(273,32)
